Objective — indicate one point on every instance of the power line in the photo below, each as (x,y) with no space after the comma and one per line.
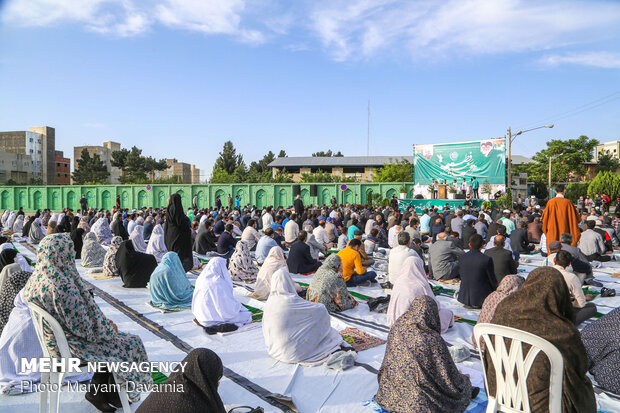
(577,110)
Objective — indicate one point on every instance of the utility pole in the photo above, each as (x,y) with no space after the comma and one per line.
(549,178)
(368,132)
(549,181)
(509,183)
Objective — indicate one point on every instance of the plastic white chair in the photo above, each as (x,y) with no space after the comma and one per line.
(39,316)
(512,394)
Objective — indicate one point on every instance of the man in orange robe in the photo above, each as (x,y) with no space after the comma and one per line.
(560,216)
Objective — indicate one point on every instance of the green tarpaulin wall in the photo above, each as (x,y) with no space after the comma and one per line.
(485,160)
(57,197)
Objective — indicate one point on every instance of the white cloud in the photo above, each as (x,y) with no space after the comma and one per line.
(604,60)
(352,29)
(470,27)
(127,18)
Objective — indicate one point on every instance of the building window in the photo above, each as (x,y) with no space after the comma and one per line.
(353,169)
(324,169)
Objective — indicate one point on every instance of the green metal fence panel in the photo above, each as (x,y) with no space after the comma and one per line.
(56,197)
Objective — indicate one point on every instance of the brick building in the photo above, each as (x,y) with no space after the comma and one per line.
(63,169)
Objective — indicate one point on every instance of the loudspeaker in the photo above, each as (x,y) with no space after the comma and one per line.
(296,190)
(459,196)
(313,190)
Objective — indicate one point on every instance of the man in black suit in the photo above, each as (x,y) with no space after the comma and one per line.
(226,242)
(518,239)
(298,204)
(300,260)
(503,263)
(468,231)
(477,275)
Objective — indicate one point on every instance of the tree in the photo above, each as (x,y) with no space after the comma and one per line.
(540,190)
(228,160)
(606,162)
(318,176)
(90,170)
(282,154)
(606,182)
(328,154)
(577,189)
(135,167)
(570,154)
(151,165)
(397,171)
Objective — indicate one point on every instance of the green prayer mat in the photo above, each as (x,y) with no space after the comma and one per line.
(353,293)
(257,314)
(28,260)
(465,320)
(158,377)
(437,289)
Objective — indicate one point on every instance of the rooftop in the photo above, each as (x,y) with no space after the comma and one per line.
(520,160)
(336,160)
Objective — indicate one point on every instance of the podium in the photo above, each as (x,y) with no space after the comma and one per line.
(442,192)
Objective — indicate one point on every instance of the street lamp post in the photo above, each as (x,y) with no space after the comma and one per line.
(549,177)
(511,138)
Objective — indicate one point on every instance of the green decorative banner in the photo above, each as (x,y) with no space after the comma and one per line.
(485,160)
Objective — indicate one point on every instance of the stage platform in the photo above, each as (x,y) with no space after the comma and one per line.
(420,204)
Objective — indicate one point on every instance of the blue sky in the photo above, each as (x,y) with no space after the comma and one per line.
(179,77)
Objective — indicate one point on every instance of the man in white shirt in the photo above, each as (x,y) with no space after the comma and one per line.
(398,255)
(267,219)
(392,234)
(250,234)
(583,310)
(320,234)
(291,230)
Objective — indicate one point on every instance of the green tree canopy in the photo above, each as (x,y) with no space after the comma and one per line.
(228,161)
(259,171)
(569,155)
(135,167)
(321,176)
(151,165)
(607,162)
(576,189)
(606,182)
(328,154)
(397,171)
(90,170)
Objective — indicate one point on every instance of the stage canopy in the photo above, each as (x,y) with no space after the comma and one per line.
(485,160)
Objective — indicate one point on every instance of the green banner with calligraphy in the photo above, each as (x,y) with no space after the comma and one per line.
(485,160)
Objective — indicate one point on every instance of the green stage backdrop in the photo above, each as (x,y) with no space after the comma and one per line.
(486,160)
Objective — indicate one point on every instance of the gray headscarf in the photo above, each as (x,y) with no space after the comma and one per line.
(36,233)
(92,252)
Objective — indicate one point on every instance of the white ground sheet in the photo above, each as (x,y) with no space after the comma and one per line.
(312,389)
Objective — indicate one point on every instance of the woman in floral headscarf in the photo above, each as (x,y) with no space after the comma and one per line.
(101,228)
(241,266)
(109,261)
(84,224)
(328,286)
(509,284)
(418,373)
(57,287)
